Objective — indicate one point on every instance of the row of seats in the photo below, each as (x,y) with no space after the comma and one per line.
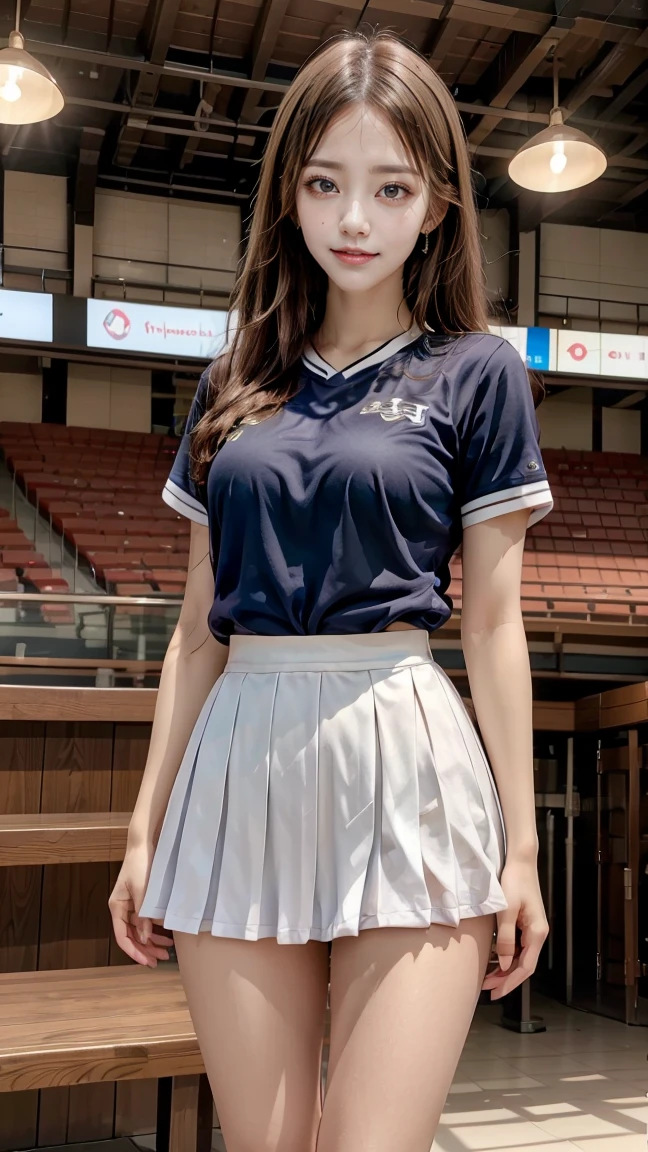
(129,538)
(588,559)
(22,567)
(100,489)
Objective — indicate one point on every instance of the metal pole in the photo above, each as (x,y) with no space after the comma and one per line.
(569,873)
(551,838)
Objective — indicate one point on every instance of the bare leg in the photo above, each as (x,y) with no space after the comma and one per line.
(259,1009)
(402,1000)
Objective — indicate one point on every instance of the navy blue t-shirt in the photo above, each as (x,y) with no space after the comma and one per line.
(340,513)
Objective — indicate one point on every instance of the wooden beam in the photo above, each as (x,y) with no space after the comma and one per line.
(601,75)
(516,61)
(264,39)
(159,23)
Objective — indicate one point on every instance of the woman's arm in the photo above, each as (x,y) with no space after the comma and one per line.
(497,661)
(193,662)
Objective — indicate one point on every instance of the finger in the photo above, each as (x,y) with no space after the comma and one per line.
(145,929)
(524,967)
(153,935)
(159,953)
(498,977)
(137,952)
(505,943)
(121,929)
(125,936)
(150,949)
(509,986)
(160,938)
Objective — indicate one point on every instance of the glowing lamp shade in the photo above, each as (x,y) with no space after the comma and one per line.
(28,93)
(557,159)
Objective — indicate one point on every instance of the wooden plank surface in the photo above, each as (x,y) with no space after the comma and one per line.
(79,1026)
(126,705)
(616,708)
(62,838)
(554,715)
(107,704)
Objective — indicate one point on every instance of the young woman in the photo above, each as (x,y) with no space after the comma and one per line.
(314,781)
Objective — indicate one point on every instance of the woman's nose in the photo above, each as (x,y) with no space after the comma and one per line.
(355,219)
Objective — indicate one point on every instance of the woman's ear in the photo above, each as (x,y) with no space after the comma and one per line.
(435,215)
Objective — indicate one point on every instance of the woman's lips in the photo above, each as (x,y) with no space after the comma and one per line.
(353,257)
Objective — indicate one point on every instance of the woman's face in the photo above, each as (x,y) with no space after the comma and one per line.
(360,204)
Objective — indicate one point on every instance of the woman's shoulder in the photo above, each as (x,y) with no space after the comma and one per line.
(471,353)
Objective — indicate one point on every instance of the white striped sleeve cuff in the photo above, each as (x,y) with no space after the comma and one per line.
(535,496)
(182,502)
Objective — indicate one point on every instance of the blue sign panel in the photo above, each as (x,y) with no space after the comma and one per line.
(537,351)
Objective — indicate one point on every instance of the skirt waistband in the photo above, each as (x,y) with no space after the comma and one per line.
(354,651)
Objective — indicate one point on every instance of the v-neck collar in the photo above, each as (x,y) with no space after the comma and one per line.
(317,364)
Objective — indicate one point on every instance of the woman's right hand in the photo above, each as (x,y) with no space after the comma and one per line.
(136,936)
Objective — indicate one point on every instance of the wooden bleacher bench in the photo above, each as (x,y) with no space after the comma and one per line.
(91,1025)
(62,837)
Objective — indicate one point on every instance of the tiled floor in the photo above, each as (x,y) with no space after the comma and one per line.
(581,1085)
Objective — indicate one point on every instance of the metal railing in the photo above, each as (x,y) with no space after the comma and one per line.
(139,279)
(37,272)
(566,307)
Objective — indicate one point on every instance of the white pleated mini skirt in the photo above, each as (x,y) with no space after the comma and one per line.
(331,783)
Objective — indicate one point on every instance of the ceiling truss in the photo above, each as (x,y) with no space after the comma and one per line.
(169,95)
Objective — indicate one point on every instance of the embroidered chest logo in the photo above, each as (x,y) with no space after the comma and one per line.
(397,409)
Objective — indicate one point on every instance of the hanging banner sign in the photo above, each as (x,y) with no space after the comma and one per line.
(587,353)
(26,316)
(537,346)
(196,333)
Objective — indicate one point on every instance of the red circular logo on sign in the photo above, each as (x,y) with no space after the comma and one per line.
(117,324)
(577,351)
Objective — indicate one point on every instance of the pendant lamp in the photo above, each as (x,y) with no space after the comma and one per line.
(558,158)
(28,93)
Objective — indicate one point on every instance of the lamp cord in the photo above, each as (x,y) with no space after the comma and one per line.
(555,78)
(17,15)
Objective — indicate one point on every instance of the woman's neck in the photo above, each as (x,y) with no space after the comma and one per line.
(356,323)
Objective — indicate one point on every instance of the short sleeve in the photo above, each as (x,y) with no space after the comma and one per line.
(501,468)
(181,492)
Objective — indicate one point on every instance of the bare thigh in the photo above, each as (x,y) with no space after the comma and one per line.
(402,1000)
(259,1011)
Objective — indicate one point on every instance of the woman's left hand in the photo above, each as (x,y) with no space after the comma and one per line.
(525,911)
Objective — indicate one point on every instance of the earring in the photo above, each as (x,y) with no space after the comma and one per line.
(425,246)
(297,225)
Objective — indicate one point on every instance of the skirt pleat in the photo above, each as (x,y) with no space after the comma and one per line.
(330,784)
(468,809)
(396,882)
(291,836)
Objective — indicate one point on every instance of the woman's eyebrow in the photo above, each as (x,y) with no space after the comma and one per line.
(384,168)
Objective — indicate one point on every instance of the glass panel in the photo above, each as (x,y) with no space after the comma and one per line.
(101,641)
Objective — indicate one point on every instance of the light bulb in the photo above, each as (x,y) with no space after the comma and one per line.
(10,90)
(558,161)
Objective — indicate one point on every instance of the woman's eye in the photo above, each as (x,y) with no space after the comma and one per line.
(322,180)
(391,191)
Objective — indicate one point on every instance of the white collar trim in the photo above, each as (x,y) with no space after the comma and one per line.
(323,368)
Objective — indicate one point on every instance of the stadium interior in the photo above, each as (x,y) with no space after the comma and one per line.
(122,223)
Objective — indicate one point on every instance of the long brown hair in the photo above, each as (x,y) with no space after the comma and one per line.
(280,291)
